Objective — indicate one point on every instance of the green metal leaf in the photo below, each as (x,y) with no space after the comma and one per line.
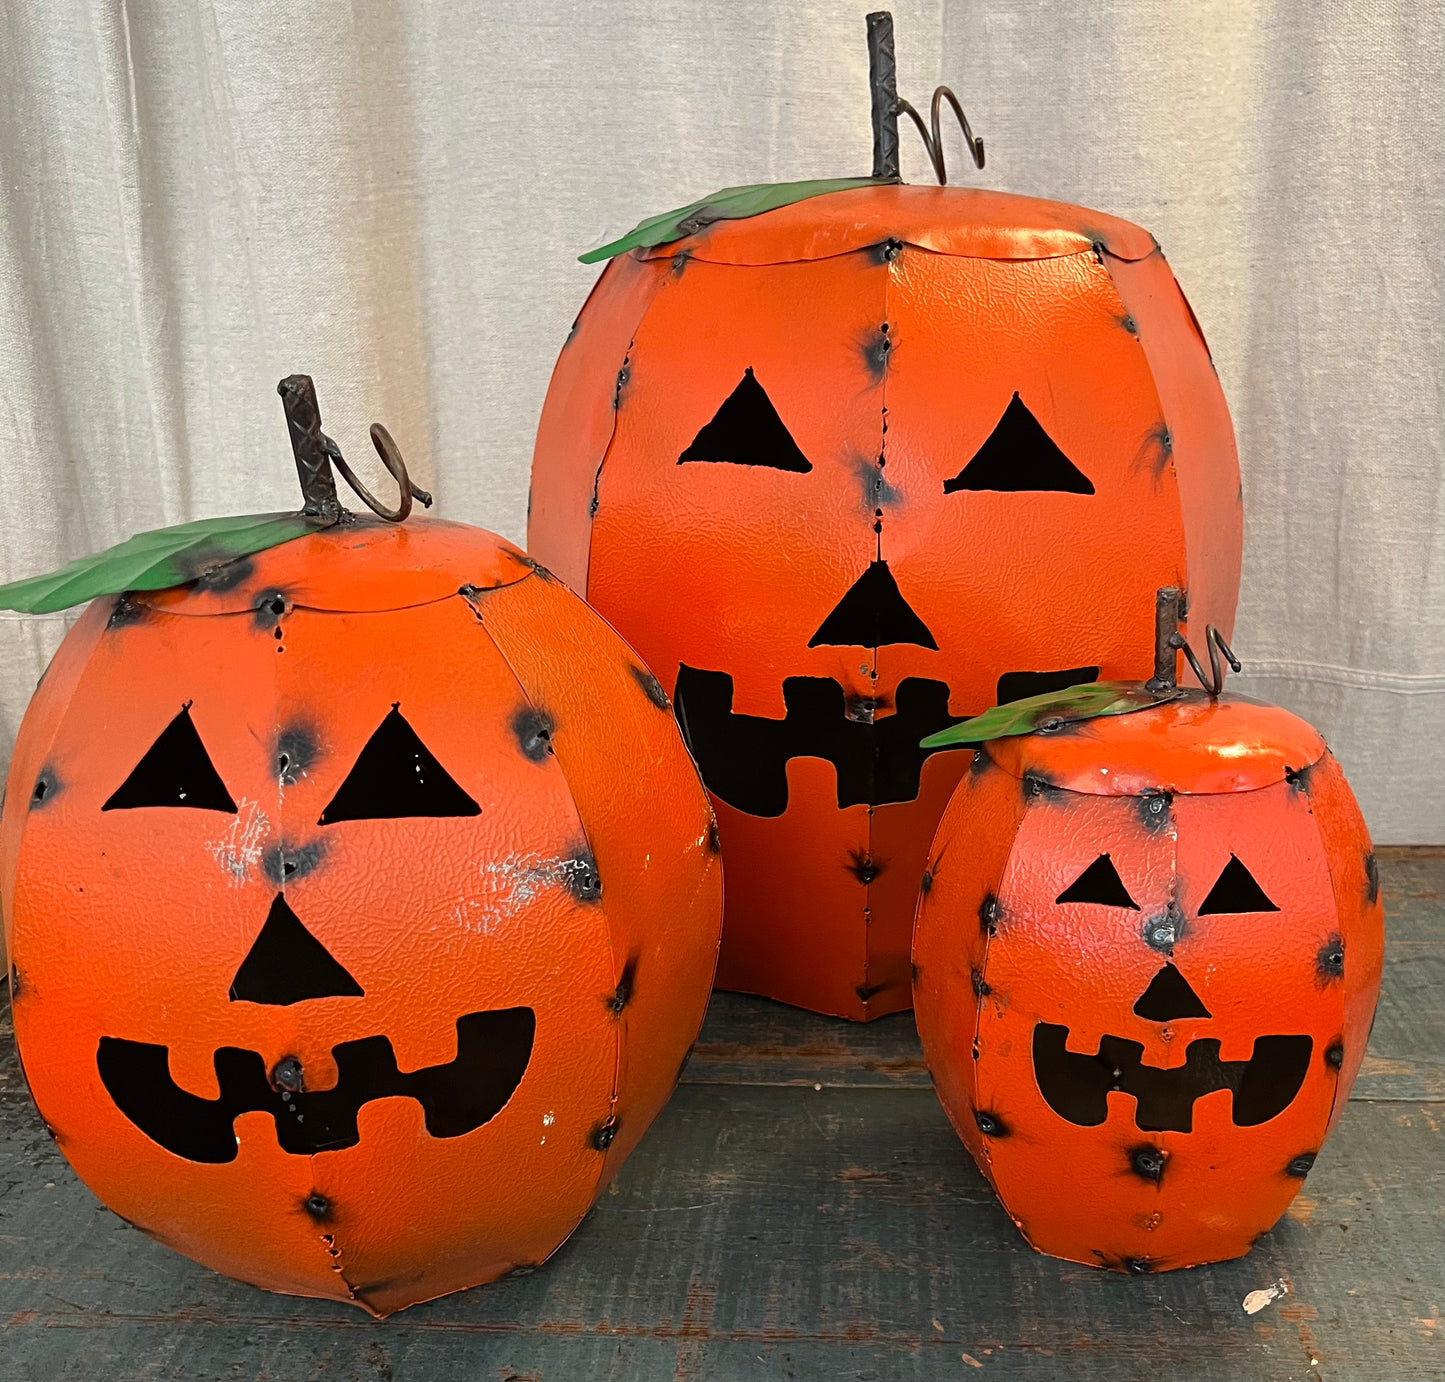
(156,560)
(731,204)
(1052,711)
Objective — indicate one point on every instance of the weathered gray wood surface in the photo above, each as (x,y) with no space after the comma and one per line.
(802,1209)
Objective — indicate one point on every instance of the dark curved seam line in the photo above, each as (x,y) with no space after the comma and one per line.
(595,497)
(700,258)
(1104,259)
(988,940)
(249,611)
(333,1264)
(873,681)
(618,1026)
(1339,1074)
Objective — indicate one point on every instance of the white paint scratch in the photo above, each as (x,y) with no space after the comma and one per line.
(508,885)
(238,851)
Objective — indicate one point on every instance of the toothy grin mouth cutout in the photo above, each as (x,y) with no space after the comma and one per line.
(744,758)
(1077,1086)
(493,1051)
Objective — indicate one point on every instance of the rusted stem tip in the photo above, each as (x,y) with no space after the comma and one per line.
(308,444)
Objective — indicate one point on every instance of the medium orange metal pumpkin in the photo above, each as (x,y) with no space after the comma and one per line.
(1146,961)
(363,904)
(858,467)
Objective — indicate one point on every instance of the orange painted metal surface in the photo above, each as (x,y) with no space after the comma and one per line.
(893,332)
(442,795)
(1144,1008)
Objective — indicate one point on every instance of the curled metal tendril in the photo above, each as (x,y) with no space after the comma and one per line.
(933,137)
(1214,642)
(386,448)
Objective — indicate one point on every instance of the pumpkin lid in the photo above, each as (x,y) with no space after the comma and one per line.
(356,567)
(1189,745)
(965,221)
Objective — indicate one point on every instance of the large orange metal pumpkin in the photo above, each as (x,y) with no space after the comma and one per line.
(856,468)
(362,906)
(1146,961)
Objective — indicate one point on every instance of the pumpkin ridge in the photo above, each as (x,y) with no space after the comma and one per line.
(602,1169)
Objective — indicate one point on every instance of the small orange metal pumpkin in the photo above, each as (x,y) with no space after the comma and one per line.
(1146,960)
(853,468)
(362,903)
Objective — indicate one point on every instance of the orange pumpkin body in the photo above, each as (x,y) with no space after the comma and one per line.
(1146,960)
(362,912)
(854,469)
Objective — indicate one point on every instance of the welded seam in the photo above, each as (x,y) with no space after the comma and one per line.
(975,1054)
(876,520)
(606,917)
(1104,256)
(595,498)
(696,256)
(153,611)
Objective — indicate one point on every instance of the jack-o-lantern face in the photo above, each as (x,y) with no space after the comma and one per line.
(1147,955)
(362,909)
(853,470)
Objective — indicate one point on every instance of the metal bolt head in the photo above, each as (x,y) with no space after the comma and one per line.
(288,1075)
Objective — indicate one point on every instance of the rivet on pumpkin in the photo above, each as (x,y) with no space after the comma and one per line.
(651,687)
(1330,963)
(1300,1166)
(604,1133)
(1147,1162)
(533,728)
(863,866)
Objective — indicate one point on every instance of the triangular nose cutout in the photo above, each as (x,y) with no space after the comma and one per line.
(1169,997)
(286,964)
(1020,455)
(175,771)
(747,430)
(873,614)
(396,775)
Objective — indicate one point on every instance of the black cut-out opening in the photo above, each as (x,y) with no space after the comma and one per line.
(744,759)
(1169,997)
(873,614)
(1235,890)
(286,964)
(493,1052)
(1019,455)
(1017,686)
(395,776)
(1076,1086)
(175,771)
(1100,884)
(1271,1078)
(746,430)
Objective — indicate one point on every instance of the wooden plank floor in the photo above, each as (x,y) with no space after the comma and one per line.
(802,1210)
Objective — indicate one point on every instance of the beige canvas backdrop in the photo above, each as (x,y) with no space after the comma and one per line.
(196,199)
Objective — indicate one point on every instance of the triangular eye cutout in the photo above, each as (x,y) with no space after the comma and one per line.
(1099,883)
(1020,455)
(873,614)
(1235,891)
(286,964)
(747,430)
(396,775)
(1169,997)
(175,771)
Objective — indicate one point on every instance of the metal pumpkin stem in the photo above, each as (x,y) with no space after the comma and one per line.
(888,105)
